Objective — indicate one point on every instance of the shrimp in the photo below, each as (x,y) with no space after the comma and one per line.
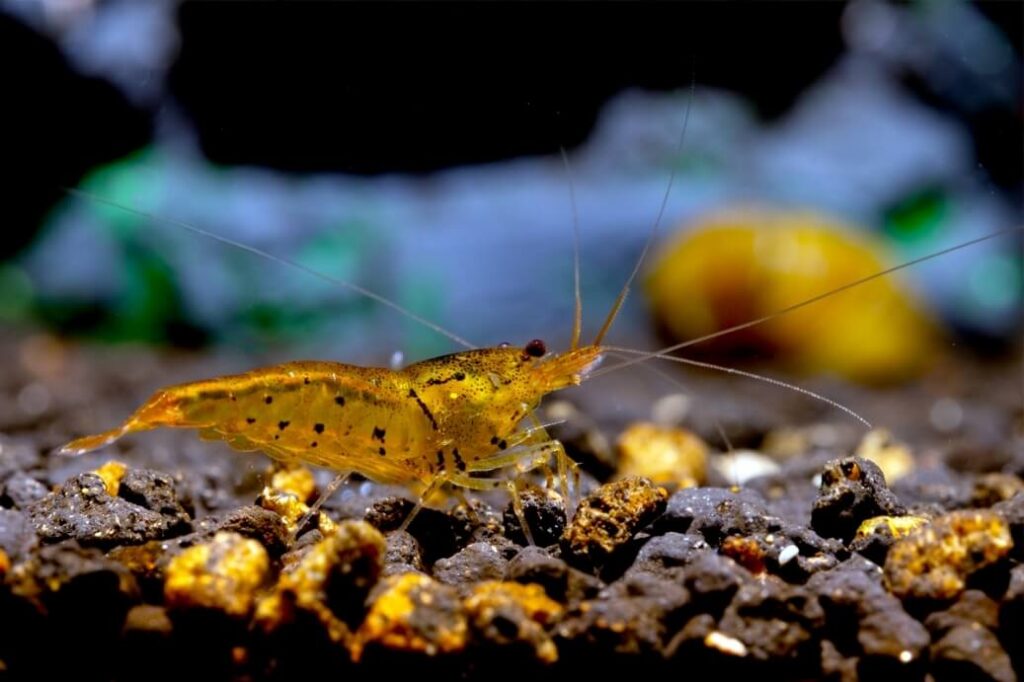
(437,422)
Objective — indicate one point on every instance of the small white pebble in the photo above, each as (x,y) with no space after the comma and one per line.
(743,465)
(946,415)
(671,409)
(788,554)
(725,643)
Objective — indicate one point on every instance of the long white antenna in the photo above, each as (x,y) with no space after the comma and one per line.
(277,259)
(738,372)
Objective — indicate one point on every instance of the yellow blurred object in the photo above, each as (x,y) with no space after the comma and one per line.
(894,458)
(739,265)
(667,455)
(296,480)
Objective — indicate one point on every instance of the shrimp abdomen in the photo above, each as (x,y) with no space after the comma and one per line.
(318,412)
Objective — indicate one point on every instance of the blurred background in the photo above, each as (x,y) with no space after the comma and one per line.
(415,152)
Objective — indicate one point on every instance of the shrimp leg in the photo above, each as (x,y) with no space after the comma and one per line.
(545,449)
(563,462)
(439,480)
(513,484)
(331,488)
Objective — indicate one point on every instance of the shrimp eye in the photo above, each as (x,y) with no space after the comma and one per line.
(536,348)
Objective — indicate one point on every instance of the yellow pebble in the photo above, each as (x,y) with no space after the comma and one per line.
(666,455)
(935,560)
(354,549)
(224,574)
(892,457)
(290,508)
(112,472)
(414,612)
(297,481)
(527,606)
(895,526)
(608,518)
(326,524)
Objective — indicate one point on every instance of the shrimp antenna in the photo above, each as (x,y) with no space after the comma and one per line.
(679,384)
(277,259)
(809,301)
(624,292)
(738,372)
(577,320)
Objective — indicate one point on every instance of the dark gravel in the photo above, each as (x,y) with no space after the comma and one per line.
(823,570)
(82,510)
(853,490)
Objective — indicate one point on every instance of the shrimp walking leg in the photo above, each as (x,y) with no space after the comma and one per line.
(517,506)
(435,484)
(513,484)
(331,488)
(563,463)
(464,501)
(528,457)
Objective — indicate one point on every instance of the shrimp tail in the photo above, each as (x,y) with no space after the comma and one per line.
(80,446)
(159,410)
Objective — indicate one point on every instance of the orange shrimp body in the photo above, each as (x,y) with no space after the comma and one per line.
(434,422)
